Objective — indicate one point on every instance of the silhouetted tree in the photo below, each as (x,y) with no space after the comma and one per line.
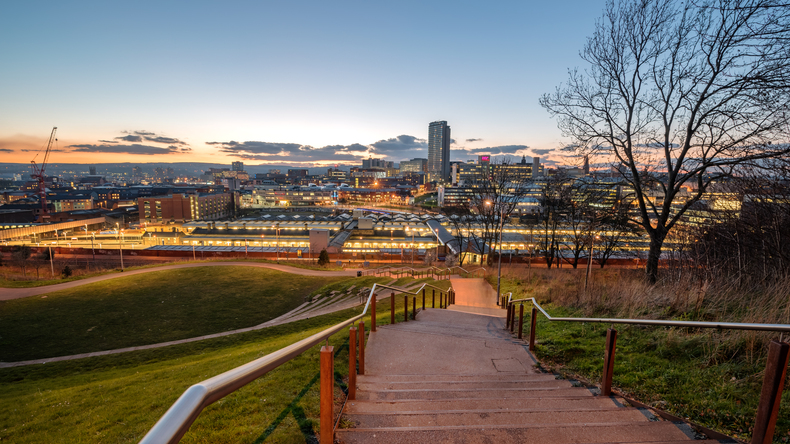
(323,257)
(678,93)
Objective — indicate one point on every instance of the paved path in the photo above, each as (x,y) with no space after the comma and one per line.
(17,293)
(475,296)
(459,377)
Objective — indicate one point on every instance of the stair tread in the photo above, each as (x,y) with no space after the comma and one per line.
(521,433)
(502,417)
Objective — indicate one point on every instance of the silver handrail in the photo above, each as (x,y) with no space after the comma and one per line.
(689,324)
(172,426)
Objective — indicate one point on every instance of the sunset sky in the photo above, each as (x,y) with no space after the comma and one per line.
(300,83)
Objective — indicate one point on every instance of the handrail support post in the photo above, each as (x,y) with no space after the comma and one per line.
(361,334)
(771,395)
(608,362)
(373,313)
(327,392)
(352,363)
(392,308)
(520,320)
(532,327)
(405,308)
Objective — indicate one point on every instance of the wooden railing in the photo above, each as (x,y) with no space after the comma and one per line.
(172,426)
(775,369)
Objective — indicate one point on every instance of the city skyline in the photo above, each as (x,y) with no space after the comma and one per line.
(302,84)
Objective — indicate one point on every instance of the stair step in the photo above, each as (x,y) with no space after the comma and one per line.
(514,377)
(487,418)
(462,385)
(461,404)
(592,433)
(472,393)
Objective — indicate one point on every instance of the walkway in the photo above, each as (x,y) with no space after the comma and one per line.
(454,376)
(475,296)
(17,293)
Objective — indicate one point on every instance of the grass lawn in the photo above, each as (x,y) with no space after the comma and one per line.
(118,398)
(676,370)
(150,308)
(23,283)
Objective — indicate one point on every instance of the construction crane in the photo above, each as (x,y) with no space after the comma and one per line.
(38,175)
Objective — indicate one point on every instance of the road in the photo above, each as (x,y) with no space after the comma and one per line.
(17,293)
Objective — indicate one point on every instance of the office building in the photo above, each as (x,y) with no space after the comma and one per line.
(237,166)
(416,165)
(439,151)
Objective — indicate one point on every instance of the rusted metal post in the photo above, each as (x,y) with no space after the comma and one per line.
(433,298)
(392,307)
(507,317)
(423,299)
(352,363)
(373,313)
(520,320)
(608,362)
(771,395)
(414,307)
(405,308)
(327,392)
(513,318)
(533,324)
(361,334)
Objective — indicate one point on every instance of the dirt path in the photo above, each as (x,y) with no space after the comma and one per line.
(17,293)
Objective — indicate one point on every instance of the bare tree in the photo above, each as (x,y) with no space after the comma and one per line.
(677,95)
(554,199)
(498,193)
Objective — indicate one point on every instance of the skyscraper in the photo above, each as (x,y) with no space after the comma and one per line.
(237,166)
(439,151)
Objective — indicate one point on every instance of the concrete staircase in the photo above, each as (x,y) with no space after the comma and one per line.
(459,377)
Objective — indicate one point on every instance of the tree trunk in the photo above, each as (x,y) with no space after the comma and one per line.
(651,270)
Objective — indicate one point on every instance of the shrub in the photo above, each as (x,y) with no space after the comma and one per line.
(66,272)
(323,258)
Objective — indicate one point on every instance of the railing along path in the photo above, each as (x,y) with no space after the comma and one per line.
(172,426)
(775,369)
(422,272)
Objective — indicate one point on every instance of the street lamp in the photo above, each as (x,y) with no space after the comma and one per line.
(499,265)
(589,260)
(277,233)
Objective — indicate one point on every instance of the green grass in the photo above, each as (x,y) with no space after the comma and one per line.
(150,308)
(118,398)
(671,369)
(28,283)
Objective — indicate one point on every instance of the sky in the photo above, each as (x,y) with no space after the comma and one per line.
(299,82)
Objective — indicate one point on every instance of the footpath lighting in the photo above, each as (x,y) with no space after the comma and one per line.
(499,265)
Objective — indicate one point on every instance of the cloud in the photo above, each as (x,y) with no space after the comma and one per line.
(108,141)
(293,152)
(474,140)
(398,146)
(161,139)
(6,150)
(147,136)
(130,138)
(145,150)
(541,152)
(498,150)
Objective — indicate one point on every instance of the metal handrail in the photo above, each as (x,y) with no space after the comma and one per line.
(688,324)
(439,271)
(172,426)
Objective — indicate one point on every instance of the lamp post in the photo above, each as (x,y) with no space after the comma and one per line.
(589,260)
(121,250)
(51,264)
(93,252)
(499,259)
(277,237)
